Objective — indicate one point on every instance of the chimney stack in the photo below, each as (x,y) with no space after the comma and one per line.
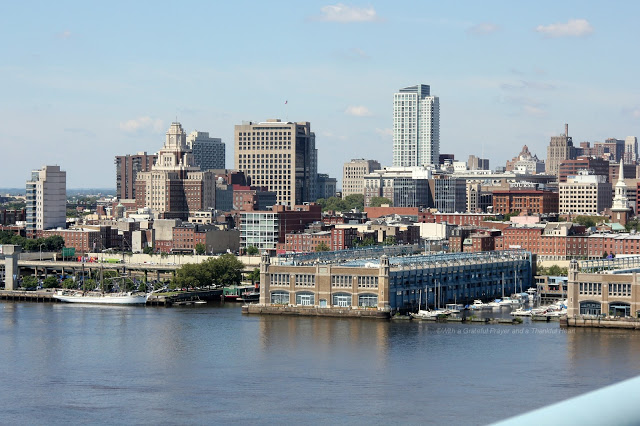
(566,129)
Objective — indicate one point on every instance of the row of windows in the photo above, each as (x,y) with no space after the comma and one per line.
(619,289)
(339,299)
(305,280)
(367,282)
(590,288)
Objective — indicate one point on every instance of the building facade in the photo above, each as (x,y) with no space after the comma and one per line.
(175,186)
(208,152)
(353,174)
(393,283)
(281,156)
(584,194)
(560,149)
(327,186)
(46,199)
(416,127)
(533,201)
(127,168)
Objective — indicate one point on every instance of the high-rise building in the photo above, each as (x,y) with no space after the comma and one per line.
(175,186)
(477,163)
(326,186)
(630,149)
(281,156)
(127,168)
(560,148)
(208,153)
(416,127)
(353,174)
(584,194)
(46,199)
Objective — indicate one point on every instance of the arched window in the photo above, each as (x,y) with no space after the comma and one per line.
(305,298)
(342,300)
(365,300)
(280,297)
(619,309)
(590,308)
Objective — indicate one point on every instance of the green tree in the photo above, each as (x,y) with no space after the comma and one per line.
(252,251)
(29,281)
(354,201)
(69,283)
(226,270)
(148,250)
(322,247)
(378,201)
(201,248)
(587,221)
(50,282)
(390,240)
(368,241)
(254,276)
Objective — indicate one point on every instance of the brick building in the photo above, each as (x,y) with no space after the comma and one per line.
(532,200)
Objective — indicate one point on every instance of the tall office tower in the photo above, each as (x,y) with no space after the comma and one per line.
(630,149)
(207,152)
(46,199)
(175,186)
(127,168)
(560,148)
(416,127)
(353,174)
(281,156)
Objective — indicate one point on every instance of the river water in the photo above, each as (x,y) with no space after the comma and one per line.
(211,364)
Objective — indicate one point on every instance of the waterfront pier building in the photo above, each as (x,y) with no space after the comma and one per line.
(372,282)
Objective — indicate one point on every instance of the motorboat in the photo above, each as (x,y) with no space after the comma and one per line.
(454,308)
(478,304)
(495,304)
(521,312)
(507,301)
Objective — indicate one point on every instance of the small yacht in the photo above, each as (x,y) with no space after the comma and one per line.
(453,308)
(478,304)
(495,304)
(521,312)
(507,301)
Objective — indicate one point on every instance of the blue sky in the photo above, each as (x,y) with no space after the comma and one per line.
(82,82)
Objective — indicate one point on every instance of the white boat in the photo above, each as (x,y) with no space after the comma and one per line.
(96,297)
(507,301)
(521,312)
(495,304)
(478,304)
(421,314)
(454,308)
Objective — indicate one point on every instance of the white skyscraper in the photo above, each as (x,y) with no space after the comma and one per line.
(46,199)
(416,127)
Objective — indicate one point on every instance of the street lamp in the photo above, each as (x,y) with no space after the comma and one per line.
(41,244)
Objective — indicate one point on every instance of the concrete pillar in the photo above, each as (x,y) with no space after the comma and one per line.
(11,270)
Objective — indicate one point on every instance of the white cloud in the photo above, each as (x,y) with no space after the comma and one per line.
(573,28)
(358,111)
(343,13)
(384,132)
(64,34)
(483,28)
(142,124)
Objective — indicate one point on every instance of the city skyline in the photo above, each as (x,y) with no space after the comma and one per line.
(79,90)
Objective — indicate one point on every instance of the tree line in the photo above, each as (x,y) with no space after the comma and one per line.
(53,243)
